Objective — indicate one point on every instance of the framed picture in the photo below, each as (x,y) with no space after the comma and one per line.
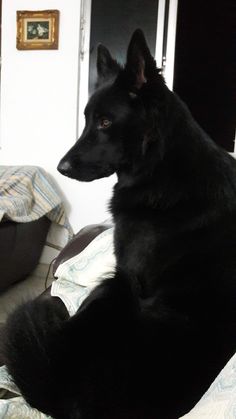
(37,29)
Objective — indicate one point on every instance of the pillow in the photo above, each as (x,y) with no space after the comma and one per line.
(78,276)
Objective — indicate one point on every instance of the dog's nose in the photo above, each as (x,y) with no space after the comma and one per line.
(64,167)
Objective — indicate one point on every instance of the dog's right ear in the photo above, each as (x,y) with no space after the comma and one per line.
(140,66)
(107,67)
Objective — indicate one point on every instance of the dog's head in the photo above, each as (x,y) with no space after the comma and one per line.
(115,137)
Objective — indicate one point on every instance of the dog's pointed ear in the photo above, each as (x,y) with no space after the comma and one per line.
(107,67)
(140,65)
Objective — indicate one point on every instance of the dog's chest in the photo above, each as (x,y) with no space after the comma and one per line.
(136,246)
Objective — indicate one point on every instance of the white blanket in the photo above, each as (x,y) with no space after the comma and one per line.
(78,276)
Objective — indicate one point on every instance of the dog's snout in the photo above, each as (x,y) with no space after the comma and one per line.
(64,167)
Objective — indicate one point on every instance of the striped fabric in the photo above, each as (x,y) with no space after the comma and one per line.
(28,193)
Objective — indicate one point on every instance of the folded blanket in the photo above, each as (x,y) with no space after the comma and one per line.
(76,278)
(28,193)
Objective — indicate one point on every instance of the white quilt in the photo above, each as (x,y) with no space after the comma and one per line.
(76,278)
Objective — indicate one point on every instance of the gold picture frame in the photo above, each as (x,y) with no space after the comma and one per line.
(37,29)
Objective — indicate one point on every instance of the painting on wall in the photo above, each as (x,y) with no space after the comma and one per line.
(37,29)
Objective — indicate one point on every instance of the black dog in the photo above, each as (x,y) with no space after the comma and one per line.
(148,342)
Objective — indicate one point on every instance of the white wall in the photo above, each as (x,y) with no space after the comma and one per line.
(39,91)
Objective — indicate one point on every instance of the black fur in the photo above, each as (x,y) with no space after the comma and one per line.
(147,343)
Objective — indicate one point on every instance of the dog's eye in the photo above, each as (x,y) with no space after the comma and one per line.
(104,123)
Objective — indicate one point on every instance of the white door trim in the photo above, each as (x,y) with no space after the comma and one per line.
(170,47)
(160,32)
(85,23)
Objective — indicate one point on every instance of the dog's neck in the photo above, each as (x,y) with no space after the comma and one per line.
(132,177)
(125,179)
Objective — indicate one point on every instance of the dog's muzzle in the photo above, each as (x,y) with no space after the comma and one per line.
(64,167)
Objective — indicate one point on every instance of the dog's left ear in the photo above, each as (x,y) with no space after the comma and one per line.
(140,65)
(107,67)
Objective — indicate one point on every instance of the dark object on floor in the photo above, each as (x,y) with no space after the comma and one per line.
(21,245)
(148,342)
